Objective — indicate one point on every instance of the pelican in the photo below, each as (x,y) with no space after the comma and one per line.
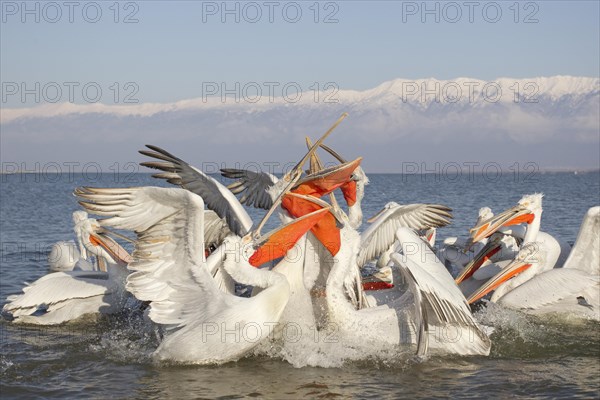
(551,252)
(384,277)
(527,211)
(321,243)
(393,323)
(204,324)
(573,290)
(60,297)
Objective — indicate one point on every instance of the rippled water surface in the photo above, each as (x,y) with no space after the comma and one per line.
(111,357)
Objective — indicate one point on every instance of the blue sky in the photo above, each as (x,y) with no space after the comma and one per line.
(171,51)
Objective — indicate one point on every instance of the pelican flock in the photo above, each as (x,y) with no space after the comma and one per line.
(194,246)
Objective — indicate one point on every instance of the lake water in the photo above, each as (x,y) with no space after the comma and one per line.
(111,358)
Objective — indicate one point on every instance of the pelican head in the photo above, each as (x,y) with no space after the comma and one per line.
(97,243)
(361,180)
(532,202)
(485,213)
(528,209)
(79,216)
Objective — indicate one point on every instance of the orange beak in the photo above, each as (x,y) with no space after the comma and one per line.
(277,243)
(512,216)
(511,270)
(484,254)
(328,180)
(326,230)
(116,252)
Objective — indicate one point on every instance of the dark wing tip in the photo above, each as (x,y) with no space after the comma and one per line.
(162,151)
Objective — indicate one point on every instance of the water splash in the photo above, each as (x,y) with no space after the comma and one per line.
(128,339)
(520,335)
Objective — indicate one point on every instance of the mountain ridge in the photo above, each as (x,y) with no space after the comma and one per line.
(419,93)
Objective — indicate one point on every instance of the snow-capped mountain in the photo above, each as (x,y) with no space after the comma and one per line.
(551,120)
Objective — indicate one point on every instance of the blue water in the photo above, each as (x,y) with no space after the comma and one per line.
(530,357)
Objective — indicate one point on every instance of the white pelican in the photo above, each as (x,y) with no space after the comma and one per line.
(318,263)
(384,277)
(60,297)
(205,324)
(259,189)
(305,307)
(572,290)
(528,211)
(551,252)
(262,190)
(320,244)
(324,241)
(394,322)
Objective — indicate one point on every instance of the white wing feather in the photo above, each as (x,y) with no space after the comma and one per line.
(550,287)
(169,250)
(381,234)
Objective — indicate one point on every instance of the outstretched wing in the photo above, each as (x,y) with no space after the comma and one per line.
(253,186)
(216,196)
(585,255)
(381,234)
(168,260)
(446,305)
